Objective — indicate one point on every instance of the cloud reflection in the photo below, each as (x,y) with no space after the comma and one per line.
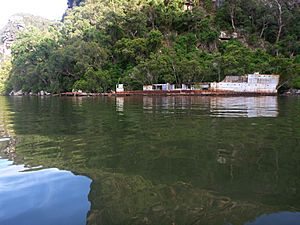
(47,197)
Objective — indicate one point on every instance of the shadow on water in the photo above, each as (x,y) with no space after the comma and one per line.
(169,160)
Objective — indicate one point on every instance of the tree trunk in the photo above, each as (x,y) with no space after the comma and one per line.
(265,26)
(279,21)
(232,18)
(174,72)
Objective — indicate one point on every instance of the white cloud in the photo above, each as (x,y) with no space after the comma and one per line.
(51,9)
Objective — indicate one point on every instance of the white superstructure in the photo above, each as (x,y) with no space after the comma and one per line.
(251,83)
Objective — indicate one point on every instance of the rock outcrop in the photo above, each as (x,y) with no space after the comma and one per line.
(72,3)
(15,25)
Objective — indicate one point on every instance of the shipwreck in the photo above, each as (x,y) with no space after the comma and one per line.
(251,83)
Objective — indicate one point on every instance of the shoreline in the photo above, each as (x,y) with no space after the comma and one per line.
(165,93)
(190,93)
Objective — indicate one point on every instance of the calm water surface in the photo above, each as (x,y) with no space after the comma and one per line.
(150,160)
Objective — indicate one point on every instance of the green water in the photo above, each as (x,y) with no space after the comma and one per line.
(168,160)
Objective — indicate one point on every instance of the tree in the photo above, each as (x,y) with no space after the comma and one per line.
(94,81)
(5,68)
(103,42)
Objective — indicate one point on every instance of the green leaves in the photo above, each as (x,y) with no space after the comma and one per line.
(177,67)
(154,42)
(94,81)
(103,42)
(5,68)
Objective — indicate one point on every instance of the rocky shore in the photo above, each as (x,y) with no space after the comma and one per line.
(291,92)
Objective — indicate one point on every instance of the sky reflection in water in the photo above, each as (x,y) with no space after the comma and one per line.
(42,197)
(281,218)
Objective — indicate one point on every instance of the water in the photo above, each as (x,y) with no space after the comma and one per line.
(47,197)
(150,160)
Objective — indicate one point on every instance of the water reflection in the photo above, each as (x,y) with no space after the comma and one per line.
(119,104)
(262,106)
(165,160)
(47,197)
(281,218)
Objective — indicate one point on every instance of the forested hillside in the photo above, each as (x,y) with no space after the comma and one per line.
(16,24)
(136,42)
(9,33)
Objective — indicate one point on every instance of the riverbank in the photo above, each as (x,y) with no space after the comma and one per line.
(167,93)
(290,92)
(190,93)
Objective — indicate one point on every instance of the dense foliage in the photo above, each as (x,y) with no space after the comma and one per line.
(103,42)
(5,67)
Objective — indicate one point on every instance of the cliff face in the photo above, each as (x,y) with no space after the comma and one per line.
(15,25)
(72,3)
